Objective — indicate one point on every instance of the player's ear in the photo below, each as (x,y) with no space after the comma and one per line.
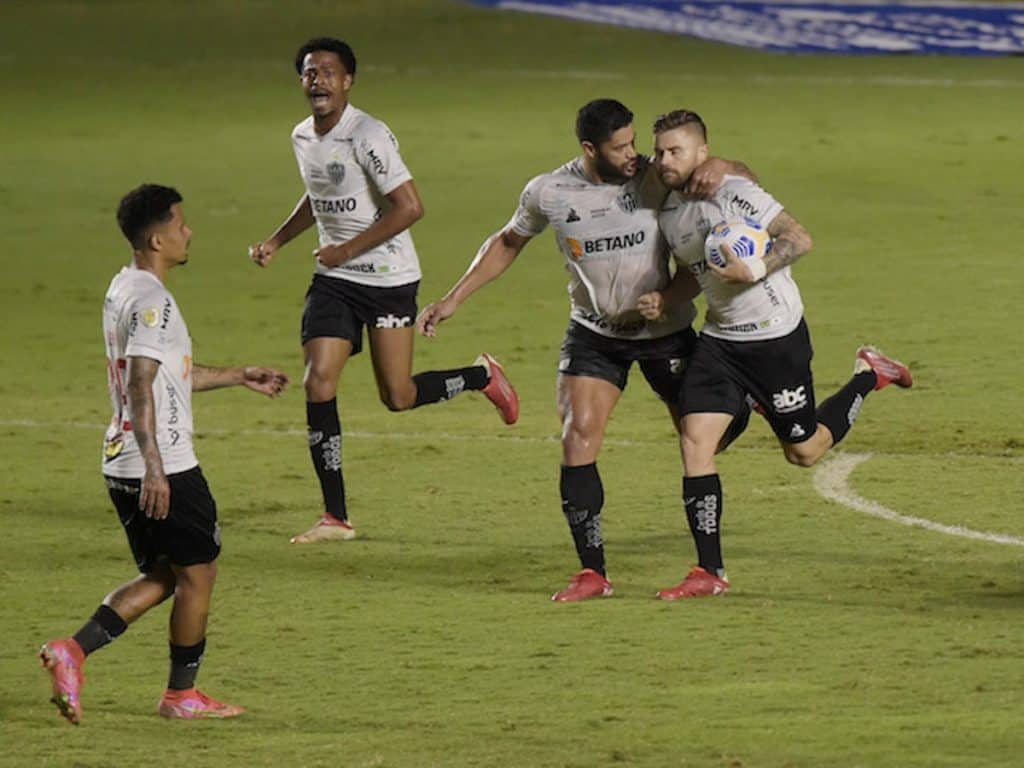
(589,149)
(702,154)
(346,82)
(153,241)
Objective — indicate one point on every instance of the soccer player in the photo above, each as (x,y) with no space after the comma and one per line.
(363,200)
(754,342)
(150,467)
(603,207)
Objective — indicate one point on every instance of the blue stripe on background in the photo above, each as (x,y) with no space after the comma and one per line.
(949,28)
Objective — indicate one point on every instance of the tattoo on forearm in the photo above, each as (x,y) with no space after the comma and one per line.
(784,253)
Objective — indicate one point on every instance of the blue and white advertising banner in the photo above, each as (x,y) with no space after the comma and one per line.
(809,27)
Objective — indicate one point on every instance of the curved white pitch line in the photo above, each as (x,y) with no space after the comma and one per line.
(831,481)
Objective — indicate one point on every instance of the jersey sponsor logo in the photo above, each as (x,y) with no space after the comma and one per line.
(393,321)
(707,514)
(364,268)
(598,213)
(165,315)
(627,202)
(575,248)
(789,400)
(573,216)
(376,162)
(606,244)
(336,172)
(334,204)
(748,208)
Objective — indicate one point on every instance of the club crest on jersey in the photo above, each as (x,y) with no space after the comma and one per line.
(627,202)
(113,448)
(336,172)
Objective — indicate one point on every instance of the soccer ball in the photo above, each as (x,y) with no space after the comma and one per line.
(745,237)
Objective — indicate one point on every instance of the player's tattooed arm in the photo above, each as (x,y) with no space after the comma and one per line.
(790,241)
(267,381)
(155,494)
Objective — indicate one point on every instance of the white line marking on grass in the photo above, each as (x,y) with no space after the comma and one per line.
(831,480)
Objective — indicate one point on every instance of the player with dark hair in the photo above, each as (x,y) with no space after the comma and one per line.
(363,200)
(603,207)
(150,467)
(754,342)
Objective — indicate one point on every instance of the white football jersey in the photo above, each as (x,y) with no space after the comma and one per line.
(767,309)
(347,173)
(141,319)
(613,249)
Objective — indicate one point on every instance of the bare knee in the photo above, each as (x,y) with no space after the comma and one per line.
(698,454)
(800,457)
(398,399)
(320,383)
(196,578)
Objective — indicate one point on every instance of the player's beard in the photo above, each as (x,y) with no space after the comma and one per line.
(613,174)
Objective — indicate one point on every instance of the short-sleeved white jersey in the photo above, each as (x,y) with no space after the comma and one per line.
(141,319)
(613,249)
(347,173)
(767,309)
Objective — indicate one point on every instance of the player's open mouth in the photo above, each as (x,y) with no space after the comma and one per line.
(319,98)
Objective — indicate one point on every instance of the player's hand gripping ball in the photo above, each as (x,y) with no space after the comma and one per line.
(745,237)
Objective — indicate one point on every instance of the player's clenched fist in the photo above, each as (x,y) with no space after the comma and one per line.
(262,253)
(651,305)
(433,315)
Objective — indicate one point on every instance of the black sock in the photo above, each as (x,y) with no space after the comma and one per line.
(702,497)
(582,499)
(325,448)
(103,628)
(438,386)
(185,661)
(839,411)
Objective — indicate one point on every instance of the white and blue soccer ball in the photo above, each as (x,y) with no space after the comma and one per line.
(745,237)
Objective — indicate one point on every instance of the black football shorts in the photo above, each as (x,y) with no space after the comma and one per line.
(662,361)
(189,535)
(341,309)
(775,372)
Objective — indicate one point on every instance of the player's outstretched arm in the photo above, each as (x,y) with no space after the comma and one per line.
(494,257)
(267,381)
(709,175)
(405,210)
(155,493)
(298,221)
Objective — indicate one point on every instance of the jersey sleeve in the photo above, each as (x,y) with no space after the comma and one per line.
(148,318)
(529,220)
(742,198)
(376,150)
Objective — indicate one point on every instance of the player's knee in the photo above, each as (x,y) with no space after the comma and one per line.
(398,399)
(319,384)
(800,456)
(580,429)
(197,578)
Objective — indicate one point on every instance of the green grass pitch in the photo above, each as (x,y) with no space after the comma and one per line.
(848,641)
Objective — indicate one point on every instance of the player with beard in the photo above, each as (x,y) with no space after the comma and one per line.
(754,342)
(603,208)
(363,200)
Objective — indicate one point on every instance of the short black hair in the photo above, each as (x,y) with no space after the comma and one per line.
(597,120)
(332,44)
(143,207)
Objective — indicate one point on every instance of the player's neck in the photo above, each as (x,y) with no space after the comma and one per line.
(149,263)
(323,124)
